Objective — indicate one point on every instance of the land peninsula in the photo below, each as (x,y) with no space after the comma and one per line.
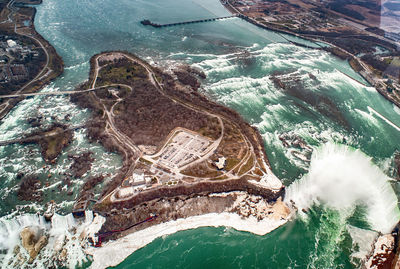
(183,155)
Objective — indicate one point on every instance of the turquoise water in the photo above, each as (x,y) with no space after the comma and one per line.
(291,246)
(239,60)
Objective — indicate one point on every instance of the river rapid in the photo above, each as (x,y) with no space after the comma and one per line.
(323,135)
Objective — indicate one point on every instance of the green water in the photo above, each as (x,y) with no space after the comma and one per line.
(239,60)
(291,246)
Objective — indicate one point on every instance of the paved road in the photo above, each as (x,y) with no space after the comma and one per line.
(131,151)
(159,87)
(365,66)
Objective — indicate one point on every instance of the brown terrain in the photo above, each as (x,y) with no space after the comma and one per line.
(29,189)
(51,140)
(81,164)
(145,114)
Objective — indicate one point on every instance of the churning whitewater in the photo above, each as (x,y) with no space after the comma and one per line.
(341,178)
(65,237)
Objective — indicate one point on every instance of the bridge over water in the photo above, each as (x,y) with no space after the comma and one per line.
(62,92)
(148,22)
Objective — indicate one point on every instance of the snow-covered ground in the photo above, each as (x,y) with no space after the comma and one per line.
(114,252)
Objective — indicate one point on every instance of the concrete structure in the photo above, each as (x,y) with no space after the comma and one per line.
(221,163)
(126,192)
(11,43)
(164,179)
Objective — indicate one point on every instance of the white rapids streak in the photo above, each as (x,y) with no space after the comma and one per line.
(383,118)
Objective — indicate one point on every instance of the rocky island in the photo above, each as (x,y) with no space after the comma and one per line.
(183,155)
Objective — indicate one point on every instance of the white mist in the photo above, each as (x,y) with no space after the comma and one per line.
(341,177)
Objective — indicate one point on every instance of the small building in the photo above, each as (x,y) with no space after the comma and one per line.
(11,43)
(125,192)
(220,164)
(148,180)
(137,178)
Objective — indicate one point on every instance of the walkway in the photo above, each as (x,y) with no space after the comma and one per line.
(148,22)
(61,92)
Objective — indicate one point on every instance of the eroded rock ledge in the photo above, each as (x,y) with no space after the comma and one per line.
(242,203)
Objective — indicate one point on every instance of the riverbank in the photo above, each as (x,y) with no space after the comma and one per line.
(170,203)
(114,252)
(19,25)
(365,71)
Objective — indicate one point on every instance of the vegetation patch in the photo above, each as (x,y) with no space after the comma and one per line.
(249,164)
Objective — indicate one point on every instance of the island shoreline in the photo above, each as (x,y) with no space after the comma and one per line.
(122,248)
(248,196)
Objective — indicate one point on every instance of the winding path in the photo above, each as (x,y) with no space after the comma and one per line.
(130,149)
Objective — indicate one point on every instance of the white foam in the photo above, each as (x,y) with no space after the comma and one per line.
(396,109)
(327,240)
(245,90)
(383,118)
(76,66)
(63,232)
(216,65)
(341,178)
(114,252)
(371,120)
(363,241)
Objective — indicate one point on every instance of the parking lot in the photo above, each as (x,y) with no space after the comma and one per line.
(184,147)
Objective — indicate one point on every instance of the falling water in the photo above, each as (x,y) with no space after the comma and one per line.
(341,178)
(66,239)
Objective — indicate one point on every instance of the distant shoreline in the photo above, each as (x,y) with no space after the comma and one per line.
(336,51)
(53,68)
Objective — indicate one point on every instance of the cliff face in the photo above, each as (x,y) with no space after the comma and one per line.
(386,252)
(201,188)
(123,221)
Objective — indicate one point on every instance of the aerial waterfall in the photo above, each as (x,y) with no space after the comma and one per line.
(341,178)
